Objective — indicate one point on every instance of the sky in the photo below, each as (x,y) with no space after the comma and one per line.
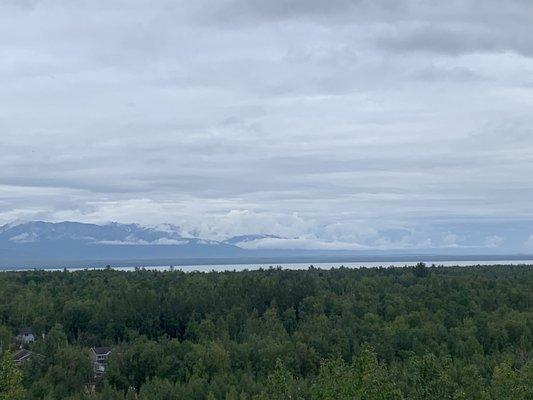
(333,124)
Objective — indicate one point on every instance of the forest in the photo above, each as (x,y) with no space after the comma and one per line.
(420,332)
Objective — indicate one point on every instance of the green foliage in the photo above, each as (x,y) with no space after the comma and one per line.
(511,384)
(10,379)
(365,379)
(5,338)
(428,377)
(281,384)
(416,333)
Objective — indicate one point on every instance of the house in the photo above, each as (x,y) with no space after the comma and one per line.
(21,356)
(99,357)
(26,336)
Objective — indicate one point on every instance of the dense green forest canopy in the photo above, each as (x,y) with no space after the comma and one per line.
(383,333)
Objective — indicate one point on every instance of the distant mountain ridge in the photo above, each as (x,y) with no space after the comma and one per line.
(39,240)
(249,238)
(112,234)
(39,231)
(45,244)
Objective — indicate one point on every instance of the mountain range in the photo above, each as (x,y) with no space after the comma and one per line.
(70,244)
(46,242)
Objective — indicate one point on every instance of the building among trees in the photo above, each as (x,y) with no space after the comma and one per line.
(26,336)
(99,357)
(21,356)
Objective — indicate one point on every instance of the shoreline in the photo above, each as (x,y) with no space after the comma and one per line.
(283,265)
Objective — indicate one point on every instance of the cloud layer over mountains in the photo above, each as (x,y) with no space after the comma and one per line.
(326,124)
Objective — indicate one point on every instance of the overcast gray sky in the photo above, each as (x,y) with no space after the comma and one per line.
(335,123)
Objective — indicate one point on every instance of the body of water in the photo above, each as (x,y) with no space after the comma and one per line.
(301,266)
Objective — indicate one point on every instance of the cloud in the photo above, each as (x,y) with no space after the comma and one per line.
(24,238)
(132,241)
(23,4)
(299,244)
(344,123)
(459,40)
(494,241)
(450,240)
(436,73)
(335,11)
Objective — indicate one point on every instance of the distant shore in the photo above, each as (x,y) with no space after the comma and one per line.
(240,265)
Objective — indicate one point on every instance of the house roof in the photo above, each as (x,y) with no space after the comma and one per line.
(102,350)
(21,354)
(26,331)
